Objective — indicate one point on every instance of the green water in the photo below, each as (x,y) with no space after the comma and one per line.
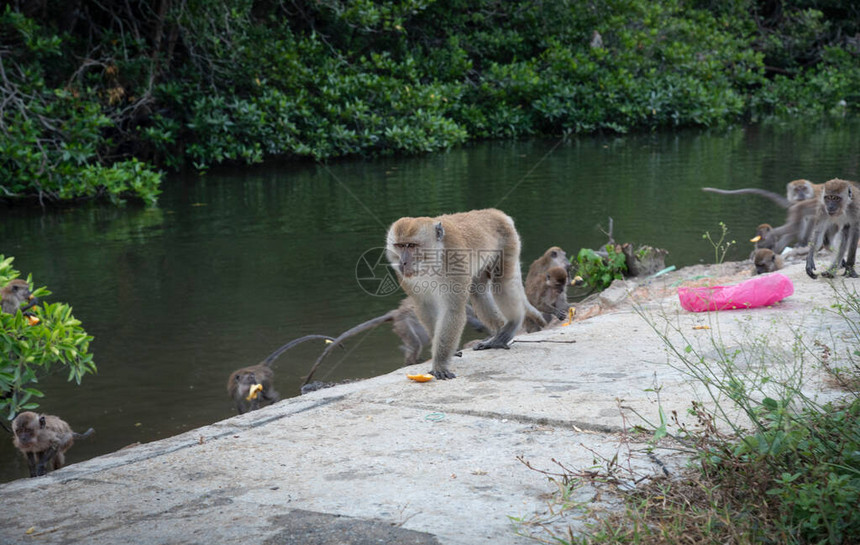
(234,264)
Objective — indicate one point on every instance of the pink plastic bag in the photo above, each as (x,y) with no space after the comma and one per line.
(758,291)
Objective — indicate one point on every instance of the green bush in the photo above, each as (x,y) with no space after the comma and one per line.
(239,81)
(29,352)
(597,271)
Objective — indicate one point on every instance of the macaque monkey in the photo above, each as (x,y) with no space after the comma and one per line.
(765,261)
(763,238)
(14,295)
(553,257)
(44,440)
(797,228)
(800,190)
(251,387)
(405,324)
(838,208)
(444,262)
(552,300)
(795,191)
(536,281)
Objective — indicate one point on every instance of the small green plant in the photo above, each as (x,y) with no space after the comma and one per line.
(598,271)
(28,352)
(721,246)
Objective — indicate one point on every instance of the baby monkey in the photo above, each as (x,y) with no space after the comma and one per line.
(765,261)
(44,440)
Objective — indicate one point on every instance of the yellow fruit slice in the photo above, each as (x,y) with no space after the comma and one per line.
(254,391)
(33,320)
(420,378)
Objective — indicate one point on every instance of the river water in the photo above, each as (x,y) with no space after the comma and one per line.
(235,263)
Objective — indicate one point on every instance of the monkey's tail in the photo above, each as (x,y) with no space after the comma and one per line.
(274,355)
(387,317)
(83,435)
(778,199)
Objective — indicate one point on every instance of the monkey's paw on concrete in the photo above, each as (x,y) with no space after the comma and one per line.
(758,291)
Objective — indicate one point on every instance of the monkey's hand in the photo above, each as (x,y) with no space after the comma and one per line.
(810,271)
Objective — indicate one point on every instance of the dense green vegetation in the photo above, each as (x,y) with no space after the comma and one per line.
(98,95)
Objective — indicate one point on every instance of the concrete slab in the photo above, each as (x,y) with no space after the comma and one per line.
(388,460)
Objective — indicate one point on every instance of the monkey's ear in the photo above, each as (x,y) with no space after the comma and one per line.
(42,421)
(440,232)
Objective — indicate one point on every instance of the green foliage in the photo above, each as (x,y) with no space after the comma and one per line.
(238,81)
(598,271)
(28,352)
(53,137)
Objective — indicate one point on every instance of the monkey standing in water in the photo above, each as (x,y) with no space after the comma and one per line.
(444,262)
(44,440)
(838,208)
(251,387)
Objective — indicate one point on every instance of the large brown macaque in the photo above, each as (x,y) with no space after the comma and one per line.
(43,439)
(14,296)
(251,387)
(445,262)
(795,191)
(838,209)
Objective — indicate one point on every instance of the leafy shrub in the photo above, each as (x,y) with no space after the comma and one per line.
(598,271)
(29,352)
(201,83)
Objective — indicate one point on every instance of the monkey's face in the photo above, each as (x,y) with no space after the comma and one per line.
(244,381)
(26,428)
(17,290)
(833,204)
(408,257)
(765,262)
(409,243)
(800,190)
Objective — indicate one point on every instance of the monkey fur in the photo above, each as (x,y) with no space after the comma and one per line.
(43,439)
(445,262)
(242,380)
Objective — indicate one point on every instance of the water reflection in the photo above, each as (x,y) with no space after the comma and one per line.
(234,264)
